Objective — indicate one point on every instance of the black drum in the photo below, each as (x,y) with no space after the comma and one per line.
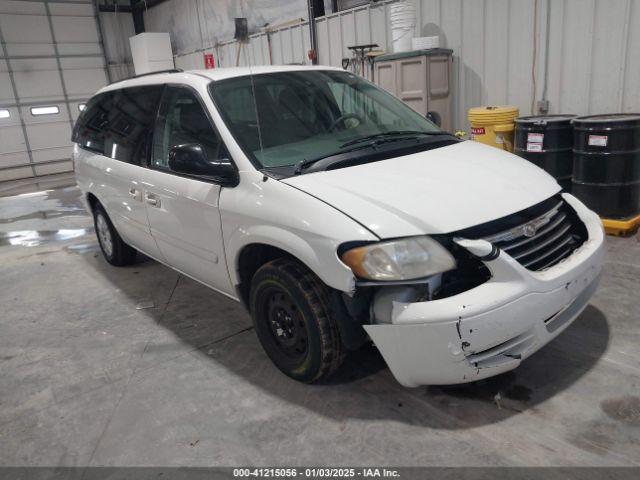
(606,169)
(547,141)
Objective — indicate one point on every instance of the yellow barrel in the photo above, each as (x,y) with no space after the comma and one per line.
(494,125)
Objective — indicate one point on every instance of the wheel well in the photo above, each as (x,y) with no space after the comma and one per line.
(92,200)
(251,258)
(349,322)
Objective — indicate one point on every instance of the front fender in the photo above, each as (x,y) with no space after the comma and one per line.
(316,252)
(266,211)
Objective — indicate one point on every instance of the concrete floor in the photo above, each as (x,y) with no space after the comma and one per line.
(142,366)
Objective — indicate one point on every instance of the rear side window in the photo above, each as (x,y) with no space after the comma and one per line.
(91,126)
(119,124)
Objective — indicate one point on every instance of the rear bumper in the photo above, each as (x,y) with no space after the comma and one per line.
(490,329)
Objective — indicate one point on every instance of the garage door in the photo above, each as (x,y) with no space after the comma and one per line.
(51,62)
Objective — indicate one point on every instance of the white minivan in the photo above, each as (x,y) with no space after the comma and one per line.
(337,215)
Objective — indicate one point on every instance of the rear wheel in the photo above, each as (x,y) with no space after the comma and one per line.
(115,251)
(292,318)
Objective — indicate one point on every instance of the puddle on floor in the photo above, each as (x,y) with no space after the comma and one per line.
(42,205)
(46,215)
(35,238)
(83,247)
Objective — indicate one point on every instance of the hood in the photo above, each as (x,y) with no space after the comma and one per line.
(436,191)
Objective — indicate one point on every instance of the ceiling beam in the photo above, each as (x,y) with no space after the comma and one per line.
(139,5)
(114,8)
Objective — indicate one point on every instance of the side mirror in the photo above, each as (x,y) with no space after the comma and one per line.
(435,118)
(191,159)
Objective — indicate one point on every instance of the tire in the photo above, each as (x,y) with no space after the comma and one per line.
(115,251)
(292,318)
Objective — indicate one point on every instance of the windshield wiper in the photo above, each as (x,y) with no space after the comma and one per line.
(392,133)
(373,142)
(304,163)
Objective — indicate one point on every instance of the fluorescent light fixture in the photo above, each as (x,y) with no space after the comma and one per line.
(82,106)
(4,113)
(50,110)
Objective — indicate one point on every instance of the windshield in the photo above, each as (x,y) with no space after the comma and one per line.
(280,119)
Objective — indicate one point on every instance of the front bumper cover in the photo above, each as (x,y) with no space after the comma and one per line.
(491,328)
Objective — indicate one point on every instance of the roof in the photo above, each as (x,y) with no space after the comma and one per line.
(231,72)
(213,74)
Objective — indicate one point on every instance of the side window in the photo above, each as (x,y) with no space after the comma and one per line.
(183,120)
(131,122)
(92,125)
(118,124)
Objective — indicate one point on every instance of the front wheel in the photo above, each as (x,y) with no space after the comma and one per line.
(291,315)
(114,250)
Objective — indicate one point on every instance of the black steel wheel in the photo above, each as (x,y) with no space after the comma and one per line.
(285,322)
(291,314)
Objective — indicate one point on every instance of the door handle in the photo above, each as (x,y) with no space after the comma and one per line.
(152,199)
(135,193)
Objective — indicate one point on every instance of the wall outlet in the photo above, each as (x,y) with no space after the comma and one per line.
(543,107)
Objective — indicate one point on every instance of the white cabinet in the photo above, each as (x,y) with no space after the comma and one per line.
(151,52)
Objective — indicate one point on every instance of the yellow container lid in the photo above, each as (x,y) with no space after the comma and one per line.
(493,115)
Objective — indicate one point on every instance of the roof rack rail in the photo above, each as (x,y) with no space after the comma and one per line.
(171,70)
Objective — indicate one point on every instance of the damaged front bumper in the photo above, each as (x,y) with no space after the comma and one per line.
(491,328)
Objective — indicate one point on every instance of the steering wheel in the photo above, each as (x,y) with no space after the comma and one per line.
(344,118)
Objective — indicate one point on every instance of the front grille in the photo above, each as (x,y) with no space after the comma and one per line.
(539,237)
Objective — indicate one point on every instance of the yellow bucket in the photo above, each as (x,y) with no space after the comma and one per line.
(494,125)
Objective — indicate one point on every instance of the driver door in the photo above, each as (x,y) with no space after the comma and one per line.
(183,212)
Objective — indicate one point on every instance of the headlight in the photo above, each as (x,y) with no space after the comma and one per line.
(403,259)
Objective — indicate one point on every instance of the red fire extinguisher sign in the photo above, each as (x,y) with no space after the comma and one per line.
(209,61)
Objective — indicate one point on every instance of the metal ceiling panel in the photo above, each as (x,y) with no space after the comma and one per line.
(81,63)
(51,154)
(25,28)
(51,168)
(74,29)
(84,83)
(71,9)
(12,151)
(38,85)
(15,173)
(80,49)
(49,135)
(22,8)
(6,92)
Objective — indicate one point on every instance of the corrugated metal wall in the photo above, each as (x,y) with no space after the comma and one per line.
(283,46)
(592,66)
(207,26)
(594,62)
(593,55)
(117,28)
(194,24)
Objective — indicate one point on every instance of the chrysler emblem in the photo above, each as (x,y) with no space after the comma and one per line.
(529,230)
